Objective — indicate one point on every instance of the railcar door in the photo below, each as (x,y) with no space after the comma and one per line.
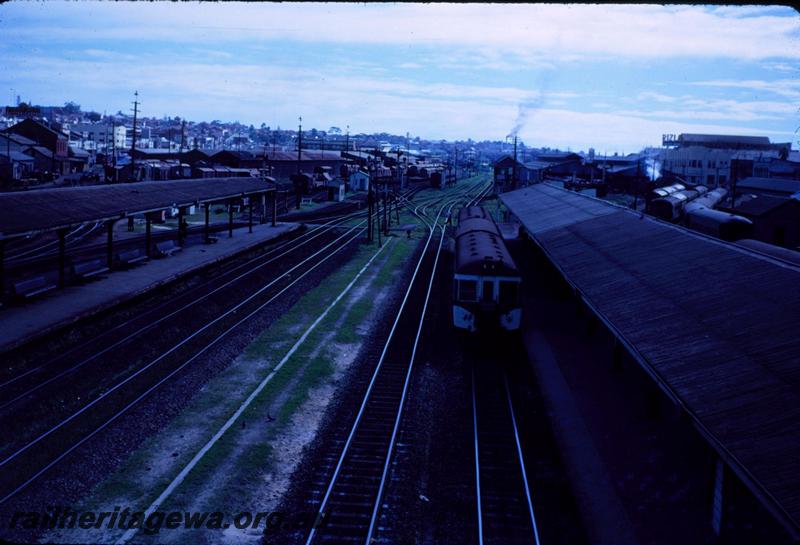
(487,294)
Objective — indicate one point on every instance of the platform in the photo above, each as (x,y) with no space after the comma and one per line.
(711,323)
(22,324)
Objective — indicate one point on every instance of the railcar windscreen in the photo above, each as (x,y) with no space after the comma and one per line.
(467,290)
(508,292)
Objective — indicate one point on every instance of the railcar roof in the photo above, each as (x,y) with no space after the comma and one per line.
(476,224)
(470,212)
(708,320)
(481,252)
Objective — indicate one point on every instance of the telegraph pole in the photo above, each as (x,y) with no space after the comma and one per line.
(347,150)
(369,202)
(10,178)
(114,142)
(378,210)
(299,148)
(514,175)
(183,134)
(399,174)
(133,143)
(455,166)
(385,218)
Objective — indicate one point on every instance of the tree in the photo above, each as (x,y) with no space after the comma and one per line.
(93,117)
(335,130)
(72,108)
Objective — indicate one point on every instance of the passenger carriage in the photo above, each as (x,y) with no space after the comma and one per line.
(486,281)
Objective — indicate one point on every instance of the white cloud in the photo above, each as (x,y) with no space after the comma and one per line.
(616,131)
(188,59)
(781,67)
(658,97)
(277,95)
(789,88)
(698,108)
(563,31)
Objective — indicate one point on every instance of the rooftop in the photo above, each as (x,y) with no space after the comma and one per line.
(309,155)
(777,185)
(16,155)
(722,138)
(704,318)
(50,209)
(758,205)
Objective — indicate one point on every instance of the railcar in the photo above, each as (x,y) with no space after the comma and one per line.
(671,208)
(666,191)
(486,282)
(709,200)
(720,224)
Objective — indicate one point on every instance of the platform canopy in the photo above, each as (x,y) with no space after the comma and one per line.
(713,323)
(24,212)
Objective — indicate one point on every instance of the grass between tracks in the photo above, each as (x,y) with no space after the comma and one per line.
(233,474)
(230,474)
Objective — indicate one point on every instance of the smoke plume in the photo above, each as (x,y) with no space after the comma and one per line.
(524,111)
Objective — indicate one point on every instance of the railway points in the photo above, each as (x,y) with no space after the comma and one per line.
(7,460)
(346,276)
(321,374)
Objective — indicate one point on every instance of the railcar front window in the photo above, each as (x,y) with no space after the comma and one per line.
(508,292)
(468,290)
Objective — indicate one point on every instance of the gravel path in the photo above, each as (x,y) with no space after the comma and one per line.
(75,476)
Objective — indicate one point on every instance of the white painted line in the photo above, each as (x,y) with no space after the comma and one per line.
(199,456)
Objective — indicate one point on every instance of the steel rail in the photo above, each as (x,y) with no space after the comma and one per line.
(39,249)
(521,460)
(248,401)
(370,386)
(406,383)
(477,460)
(165,378)
(399,411)
(178,345)
(155,311)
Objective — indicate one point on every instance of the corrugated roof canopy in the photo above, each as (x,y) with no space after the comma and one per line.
(712,322)
(47,209)
(769,184)
(726,138)
(305,155)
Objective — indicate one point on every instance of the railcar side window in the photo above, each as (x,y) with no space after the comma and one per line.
(508,292)
(468,290)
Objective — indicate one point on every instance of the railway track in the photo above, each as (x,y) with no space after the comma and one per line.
(18,384)
(81,249)
(355,483)
(348,488)
(505,513)
(25,461)
(36,445)
(24,252)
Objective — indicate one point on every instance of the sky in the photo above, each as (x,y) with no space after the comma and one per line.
(614,78)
